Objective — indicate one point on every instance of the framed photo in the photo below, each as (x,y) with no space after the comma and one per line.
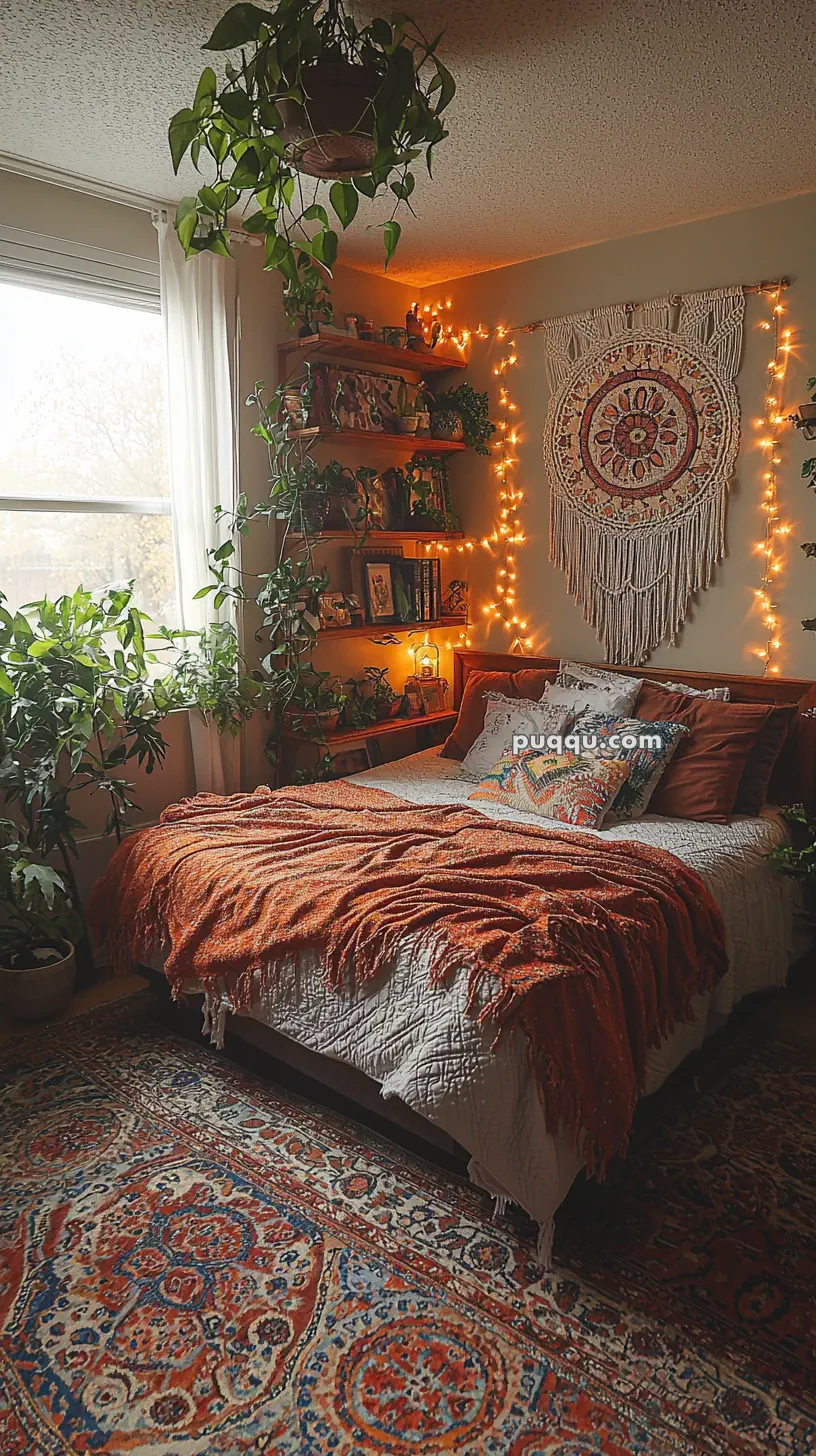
(380,592)
(334,610)
(349,758)
(433,691)
(413,698)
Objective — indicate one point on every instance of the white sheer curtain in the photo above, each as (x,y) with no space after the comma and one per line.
(198,305)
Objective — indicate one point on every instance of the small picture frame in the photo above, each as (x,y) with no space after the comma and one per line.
(433,691)
(380,592)
(334,610)
(413,698)
(349,758)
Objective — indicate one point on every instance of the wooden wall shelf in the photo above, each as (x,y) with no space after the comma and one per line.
(408,444)
(366,352)
(334,634)
(378,730)
(384,538)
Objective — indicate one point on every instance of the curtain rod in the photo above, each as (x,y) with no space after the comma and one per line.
(767,285)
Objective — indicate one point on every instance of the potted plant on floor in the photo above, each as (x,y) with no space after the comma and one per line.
(309,92)
(38,927)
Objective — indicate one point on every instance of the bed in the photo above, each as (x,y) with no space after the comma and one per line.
(423,1052)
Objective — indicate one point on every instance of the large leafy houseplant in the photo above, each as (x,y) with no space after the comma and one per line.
(310,93)
(76,706)
(472,407)
(37,914)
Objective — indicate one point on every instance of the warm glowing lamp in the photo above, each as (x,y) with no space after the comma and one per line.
(426,659)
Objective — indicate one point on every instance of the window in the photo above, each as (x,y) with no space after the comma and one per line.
(84,487)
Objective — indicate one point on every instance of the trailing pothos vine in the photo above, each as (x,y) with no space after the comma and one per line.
(311,94)
(300,496)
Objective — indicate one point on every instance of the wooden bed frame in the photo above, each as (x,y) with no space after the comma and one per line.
(794,778)
(343,1086)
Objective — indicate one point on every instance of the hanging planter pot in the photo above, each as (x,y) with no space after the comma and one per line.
(331,134)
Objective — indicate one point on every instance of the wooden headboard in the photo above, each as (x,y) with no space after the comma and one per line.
(794,779)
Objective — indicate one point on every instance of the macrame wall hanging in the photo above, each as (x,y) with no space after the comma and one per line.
(641,442)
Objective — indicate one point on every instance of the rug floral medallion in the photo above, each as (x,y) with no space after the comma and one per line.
(194,1262)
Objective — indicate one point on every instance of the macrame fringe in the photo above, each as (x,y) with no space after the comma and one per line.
(635,589)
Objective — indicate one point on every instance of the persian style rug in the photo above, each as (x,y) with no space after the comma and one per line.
(641,441)
(195,1263)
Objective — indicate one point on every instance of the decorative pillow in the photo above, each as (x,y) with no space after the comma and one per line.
(568,787)
(761,761)
(582,675)
(704,776)
(527,683)
(594,698)
(647,763)
(505,719)
(722,694)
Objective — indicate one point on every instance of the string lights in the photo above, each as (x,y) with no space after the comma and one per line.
(771,548)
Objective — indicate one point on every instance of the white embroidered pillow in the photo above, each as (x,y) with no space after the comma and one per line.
(592,698)
(582,675)
(505,719)
(722,695)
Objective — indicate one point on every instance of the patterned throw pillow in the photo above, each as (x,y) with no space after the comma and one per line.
(505,718)
(573,789)
(581,675)
(722,695)
(587,698)
(647,764)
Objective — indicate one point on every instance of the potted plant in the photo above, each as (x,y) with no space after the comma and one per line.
(37,956)
(407,417)
(315,705)
(77,704)
(462,414)
(806,415)
(371,698)
(309,90)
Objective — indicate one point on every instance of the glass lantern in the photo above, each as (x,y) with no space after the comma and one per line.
(426,660)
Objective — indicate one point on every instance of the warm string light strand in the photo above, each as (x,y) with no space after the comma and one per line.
(508,534)
(771,548)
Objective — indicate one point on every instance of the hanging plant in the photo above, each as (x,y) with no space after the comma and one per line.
(315,95)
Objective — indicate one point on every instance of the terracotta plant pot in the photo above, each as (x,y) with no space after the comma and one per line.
(312,722)
(34,992)
(332,133)
(447,425)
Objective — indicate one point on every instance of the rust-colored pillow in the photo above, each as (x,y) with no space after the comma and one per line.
(756,776)
(529,682)
(703,778)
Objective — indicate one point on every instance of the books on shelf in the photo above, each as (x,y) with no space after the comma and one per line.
(415,584)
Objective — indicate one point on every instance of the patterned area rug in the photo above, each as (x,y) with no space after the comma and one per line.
(195,1263)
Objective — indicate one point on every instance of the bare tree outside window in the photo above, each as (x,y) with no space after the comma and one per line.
(83,407)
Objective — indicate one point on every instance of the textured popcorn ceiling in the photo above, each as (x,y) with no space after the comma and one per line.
(576,120)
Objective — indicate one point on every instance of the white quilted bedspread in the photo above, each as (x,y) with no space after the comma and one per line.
(421,1046)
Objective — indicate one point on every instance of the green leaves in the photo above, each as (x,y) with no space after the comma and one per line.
(243,128)
(241,23)
(345,201)
(181,133)
(391,236)
(186,222)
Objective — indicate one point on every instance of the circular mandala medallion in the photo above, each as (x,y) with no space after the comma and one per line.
(417,1384)
(641,429)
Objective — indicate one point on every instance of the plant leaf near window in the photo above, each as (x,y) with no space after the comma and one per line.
(311,94)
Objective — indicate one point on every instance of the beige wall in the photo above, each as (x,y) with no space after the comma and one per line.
(742,247)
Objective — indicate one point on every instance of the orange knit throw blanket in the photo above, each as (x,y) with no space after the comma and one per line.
(595,947)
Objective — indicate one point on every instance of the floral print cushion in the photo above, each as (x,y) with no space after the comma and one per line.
(568,787)
(647,764)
